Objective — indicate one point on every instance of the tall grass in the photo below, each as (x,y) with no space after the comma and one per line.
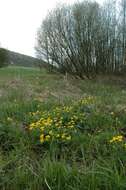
(87,162)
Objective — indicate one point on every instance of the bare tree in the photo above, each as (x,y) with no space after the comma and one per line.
(84,39)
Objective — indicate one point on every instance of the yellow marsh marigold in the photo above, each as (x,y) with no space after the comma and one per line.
(58,135)
(47,137)
(42,138)
(68,138)
(50,132)
(32,126)
(63,136)
(118,138)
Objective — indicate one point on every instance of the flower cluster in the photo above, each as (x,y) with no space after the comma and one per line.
(55,128)
(118,138)
(59,124)
(87,100)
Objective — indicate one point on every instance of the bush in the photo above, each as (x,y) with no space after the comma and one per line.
(3,57)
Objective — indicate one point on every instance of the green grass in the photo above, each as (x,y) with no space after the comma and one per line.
(86,162)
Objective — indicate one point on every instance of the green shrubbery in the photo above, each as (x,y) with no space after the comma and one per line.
(3,57)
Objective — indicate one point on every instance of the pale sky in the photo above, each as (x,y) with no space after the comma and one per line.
(19,21)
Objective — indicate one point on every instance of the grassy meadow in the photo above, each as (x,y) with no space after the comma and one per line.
(59,133)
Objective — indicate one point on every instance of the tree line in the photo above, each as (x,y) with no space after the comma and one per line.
(84,39)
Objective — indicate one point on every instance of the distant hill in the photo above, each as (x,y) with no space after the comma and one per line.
(24,60)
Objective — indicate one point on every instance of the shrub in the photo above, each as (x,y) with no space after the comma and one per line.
(3,57)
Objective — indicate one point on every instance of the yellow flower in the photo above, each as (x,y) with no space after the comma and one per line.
(63,136)
(57,124)
(58,135)
(118,138)
(50,132)
(42,138)
(47,137)
(60,122)
(68,138)
(32,126)
(42,128)
(47,122)
(33,113)
(71,126)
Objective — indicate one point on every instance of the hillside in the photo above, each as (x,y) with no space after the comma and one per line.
(23,60)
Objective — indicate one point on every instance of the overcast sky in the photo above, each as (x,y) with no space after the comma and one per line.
(19,21)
